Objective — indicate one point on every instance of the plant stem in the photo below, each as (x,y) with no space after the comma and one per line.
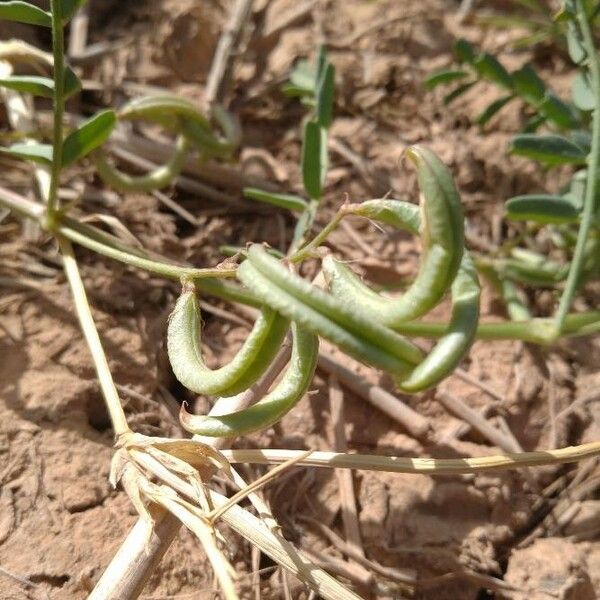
(82,308)
(83,238)
(306,251)
(592,175)
(58,49)
(534,330)
(431,466)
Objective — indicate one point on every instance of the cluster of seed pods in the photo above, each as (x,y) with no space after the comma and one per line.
(359,321)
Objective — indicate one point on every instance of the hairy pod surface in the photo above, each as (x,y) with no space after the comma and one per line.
(465,292)
(250,362)
(442,233)
(360,336)
(273,406)
(455,343)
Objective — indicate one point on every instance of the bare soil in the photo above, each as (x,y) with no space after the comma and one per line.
(468,537)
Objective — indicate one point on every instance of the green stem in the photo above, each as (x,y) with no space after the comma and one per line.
(165,269)
(535,330)
(592,177)
(58,49)
(307,250)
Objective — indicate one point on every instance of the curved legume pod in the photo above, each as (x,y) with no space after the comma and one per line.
(358,335)
(158,178)
(274,405)
(442,234)
(465,290)
(179,116)
(163,109)
(250,362)
(451,348)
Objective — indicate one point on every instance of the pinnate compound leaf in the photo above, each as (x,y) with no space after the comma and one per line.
(549,149)
(542,208)
(88,136)
(24,12)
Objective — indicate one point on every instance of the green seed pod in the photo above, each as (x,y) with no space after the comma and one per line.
(465,290)
(442,233)
(318,311)
(455,343)
(158,178)
(268,410)
(251,361)
(163,109)
(181,117)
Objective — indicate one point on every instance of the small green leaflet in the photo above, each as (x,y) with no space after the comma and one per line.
(444,76)
(303,77)
(549,149)
(23,12)
(72,83)
(542,208)
(88,136)
(492,109)
(325,92)
(324,157)
(533,123)
(37,153)
(575,44)
(490,68)
(528,85)
(41,86)
(464,51)
(459,91)
(576,190)
(294,91)
(29,84)
(311,160)
(557,111)
(581,91)
(282,200)
(321,62)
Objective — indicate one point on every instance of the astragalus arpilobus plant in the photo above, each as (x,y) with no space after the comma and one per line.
(289,308)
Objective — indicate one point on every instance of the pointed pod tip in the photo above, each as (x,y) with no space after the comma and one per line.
(415,153)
